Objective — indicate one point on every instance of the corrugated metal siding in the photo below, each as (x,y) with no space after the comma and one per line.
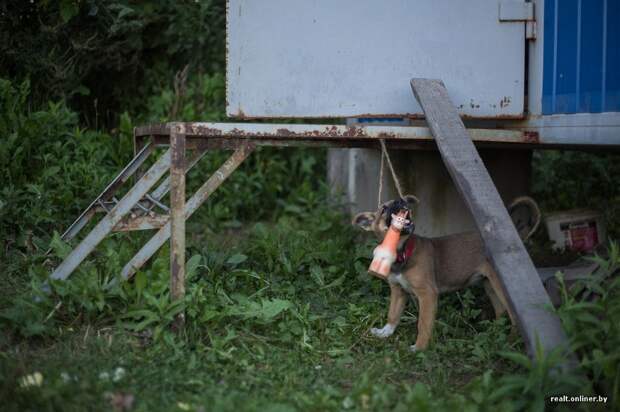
(581,56)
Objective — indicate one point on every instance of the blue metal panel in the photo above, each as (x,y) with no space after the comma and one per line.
(590,98)
(566,57)
(581,56)
(548,93)
(612,67)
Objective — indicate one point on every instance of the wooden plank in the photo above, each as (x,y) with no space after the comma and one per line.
(522,286)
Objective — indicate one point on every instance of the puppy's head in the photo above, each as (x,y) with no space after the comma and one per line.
(379,221)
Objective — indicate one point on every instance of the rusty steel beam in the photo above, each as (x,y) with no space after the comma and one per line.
(327,134)
(201,195)
(177,218)
(484,133)
(107,223)
(138,144)
(230,143)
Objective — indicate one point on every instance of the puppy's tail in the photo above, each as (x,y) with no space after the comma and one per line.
(525,215)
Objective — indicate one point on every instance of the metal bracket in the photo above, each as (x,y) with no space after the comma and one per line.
(511,11)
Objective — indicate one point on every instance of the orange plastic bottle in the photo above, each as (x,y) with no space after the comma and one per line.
(384,255)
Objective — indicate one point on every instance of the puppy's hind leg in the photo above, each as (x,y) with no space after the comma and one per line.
(398,299)
(487,270)
(498,307)
(427,298)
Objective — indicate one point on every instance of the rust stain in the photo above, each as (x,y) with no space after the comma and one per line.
(241,115)
(283,132)
(497,117)
(353,131)
(129,223)
(531,137)
(329,131)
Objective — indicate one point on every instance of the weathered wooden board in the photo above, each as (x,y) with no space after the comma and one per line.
(522,286)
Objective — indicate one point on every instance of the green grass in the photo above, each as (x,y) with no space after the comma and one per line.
(234,369)
(278,303)
(277,319)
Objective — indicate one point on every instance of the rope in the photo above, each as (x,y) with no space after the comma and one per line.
(384,153)
(380,180)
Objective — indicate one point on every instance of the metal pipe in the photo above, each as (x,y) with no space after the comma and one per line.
(157,203)
(321,132)
(121,178)
(177,218)
(163,188)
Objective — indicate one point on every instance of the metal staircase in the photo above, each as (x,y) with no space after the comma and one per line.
(140,208)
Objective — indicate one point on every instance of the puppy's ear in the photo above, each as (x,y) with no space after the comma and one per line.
(411,199)
(364,220)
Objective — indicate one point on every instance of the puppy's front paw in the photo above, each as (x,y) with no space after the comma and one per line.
(384,332)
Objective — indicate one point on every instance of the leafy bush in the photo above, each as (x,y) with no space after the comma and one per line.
(101,55)
(51,167)
(590,313)
(54,168)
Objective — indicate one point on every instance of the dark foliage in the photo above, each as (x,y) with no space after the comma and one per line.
(278,299)
(100,55)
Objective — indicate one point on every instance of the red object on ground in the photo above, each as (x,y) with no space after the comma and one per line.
(583,236)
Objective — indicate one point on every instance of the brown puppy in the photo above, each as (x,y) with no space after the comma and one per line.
(439,265)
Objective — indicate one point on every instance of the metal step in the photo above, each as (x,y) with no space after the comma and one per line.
(108,192)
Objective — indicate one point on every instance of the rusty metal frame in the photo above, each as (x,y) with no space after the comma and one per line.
(141,223)
(513,135)
(201,195)
(122,216)
(129,170)
(200,137)
(107,224)
(177,218)
(269,134)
